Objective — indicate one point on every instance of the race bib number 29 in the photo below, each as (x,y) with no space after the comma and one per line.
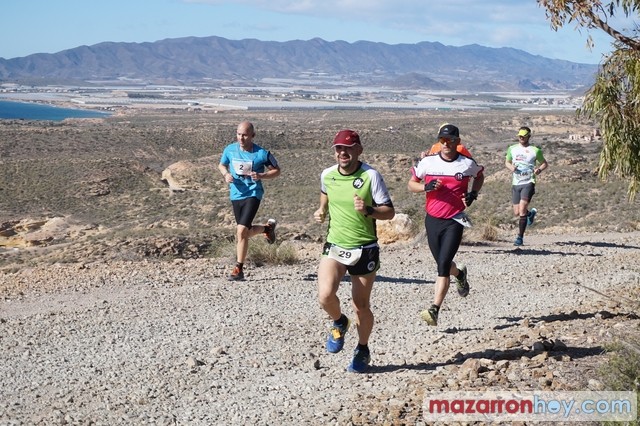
(345,256)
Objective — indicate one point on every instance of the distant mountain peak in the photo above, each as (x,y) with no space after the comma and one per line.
(193,60)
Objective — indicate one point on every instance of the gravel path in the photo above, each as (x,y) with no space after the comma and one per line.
(175,343)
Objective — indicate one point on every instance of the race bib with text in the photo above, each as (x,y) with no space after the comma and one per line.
(345,256)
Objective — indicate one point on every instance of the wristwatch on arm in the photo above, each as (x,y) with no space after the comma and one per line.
(369,210)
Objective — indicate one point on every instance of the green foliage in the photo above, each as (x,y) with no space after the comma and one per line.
(615,100)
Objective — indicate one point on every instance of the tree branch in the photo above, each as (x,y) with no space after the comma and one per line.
(632,43)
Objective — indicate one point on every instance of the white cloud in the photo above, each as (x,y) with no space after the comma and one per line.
(520,24)
(463,17)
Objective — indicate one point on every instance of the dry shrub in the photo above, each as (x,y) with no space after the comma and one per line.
(489,233)
(262,253)
(622,372)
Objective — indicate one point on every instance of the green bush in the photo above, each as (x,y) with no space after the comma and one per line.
(622,372)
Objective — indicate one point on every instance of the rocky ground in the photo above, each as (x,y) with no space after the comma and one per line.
(115,242)
(176,343)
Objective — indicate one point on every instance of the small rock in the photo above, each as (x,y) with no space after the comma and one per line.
(559,345)
(603,315)
(537,347)
(503,364)
(594,384)
(217,350)
(193,362)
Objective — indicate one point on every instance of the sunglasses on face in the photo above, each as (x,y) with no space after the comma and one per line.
(444,141)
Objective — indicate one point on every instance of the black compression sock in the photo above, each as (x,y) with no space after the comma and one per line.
(522,225)
(342,321)
(363,348)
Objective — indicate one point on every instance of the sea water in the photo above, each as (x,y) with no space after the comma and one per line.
(35,111)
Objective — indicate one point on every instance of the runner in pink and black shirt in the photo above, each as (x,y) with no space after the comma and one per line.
(445,178)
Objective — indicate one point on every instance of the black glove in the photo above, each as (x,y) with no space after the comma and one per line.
(430,186)
(468,199)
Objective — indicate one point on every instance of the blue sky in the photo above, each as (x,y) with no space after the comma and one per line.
(49,26)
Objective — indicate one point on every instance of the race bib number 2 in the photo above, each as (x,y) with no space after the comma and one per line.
(242,168)
(345,256)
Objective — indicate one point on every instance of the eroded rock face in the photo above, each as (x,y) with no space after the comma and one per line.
(177,176)
(25,233)
(31,232)
(400,228)
(169,179)
(188,175)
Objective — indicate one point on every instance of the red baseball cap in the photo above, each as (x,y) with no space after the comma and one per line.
(346,138)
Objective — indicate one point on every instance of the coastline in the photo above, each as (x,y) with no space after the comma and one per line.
(33,110)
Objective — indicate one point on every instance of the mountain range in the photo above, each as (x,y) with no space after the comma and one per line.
(219,61)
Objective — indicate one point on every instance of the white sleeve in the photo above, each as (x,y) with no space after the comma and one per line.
(323,188)
(379,191)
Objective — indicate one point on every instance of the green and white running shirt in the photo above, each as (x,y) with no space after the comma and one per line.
(524,159)
(348,228)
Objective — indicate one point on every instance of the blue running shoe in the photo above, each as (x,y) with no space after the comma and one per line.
(360,361)
(335,342)
(518,242)
(531,216)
